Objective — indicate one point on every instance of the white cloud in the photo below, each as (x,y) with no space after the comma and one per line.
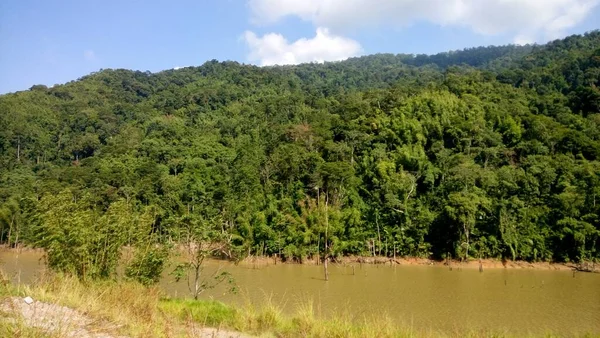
(89,55)
(523,39)
(522,19)
(274,49)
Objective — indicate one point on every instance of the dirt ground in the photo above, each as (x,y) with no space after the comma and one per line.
(61,321)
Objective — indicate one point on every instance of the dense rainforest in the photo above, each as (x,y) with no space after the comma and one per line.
(486,152)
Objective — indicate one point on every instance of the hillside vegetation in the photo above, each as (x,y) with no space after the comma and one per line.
(487,152)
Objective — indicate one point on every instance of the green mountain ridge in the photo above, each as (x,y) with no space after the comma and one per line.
(486,152)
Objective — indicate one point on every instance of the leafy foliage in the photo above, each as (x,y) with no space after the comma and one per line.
(487,152)
(148,264)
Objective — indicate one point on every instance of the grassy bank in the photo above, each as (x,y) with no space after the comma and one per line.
(129,309)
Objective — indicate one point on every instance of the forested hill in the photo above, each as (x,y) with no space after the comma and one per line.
(487,152)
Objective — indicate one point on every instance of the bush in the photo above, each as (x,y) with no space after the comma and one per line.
(148,265)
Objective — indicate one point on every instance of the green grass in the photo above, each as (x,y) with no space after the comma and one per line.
(268,320)
(208,313)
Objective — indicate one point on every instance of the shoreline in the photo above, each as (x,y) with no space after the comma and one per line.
(487,263)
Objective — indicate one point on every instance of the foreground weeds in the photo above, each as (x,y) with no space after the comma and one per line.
(18,329)
(132,310)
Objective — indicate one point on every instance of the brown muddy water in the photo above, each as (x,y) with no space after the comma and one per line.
(513,301)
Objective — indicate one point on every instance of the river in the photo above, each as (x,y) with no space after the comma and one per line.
(514,301)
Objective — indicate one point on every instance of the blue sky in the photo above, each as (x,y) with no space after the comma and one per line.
(52,42)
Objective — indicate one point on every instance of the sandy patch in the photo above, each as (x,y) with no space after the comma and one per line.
(55,319)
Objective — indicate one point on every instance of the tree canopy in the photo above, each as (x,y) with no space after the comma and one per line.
(486,152)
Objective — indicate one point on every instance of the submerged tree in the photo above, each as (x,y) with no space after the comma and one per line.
(203,239)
